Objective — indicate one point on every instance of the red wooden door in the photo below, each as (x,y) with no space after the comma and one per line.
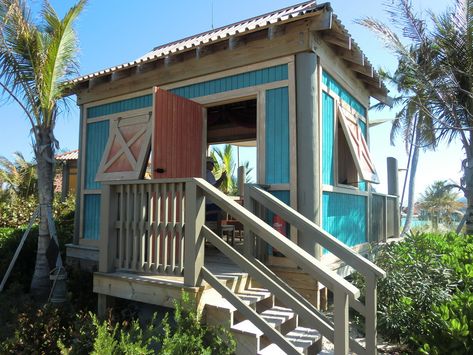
(178,147)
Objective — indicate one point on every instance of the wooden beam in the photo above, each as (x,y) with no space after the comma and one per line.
(276,31)
(337,39)
(146,67)
(323,21)
(100,80)
(353,55)
(366,70)
(120,74)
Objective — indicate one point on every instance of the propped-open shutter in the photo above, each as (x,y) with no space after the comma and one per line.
(127,150)
(178,145)
(358,146)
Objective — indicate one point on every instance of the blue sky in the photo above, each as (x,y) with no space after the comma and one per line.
(112,32)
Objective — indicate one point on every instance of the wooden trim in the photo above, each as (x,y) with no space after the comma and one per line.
(344,189)
(129,118)
(292,143)
(320,156)
(238,94)
(83,153)
(229,72)
(90,242)
(115,99)
(279,187)
(261,137)
(344,104)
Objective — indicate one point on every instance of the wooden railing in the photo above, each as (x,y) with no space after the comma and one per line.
(384,217)
(158,226)
(143,226)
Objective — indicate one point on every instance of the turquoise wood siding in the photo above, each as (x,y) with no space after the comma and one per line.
(233,82)
(344,95)
(120,106)
(91,228)
(327,139)
(344,216)
(362,185)
(277,136)
(97,136)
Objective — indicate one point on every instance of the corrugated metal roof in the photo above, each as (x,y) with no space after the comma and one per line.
(72,155)
(221,33)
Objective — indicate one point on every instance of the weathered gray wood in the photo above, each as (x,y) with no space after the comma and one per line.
(370,317)
(303,259)
(194,242)
(280,291)
(251,314)
(249,240)
(328,241)
(308,147)
(340,319)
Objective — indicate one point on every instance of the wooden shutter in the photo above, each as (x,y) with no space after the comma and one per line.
(178,142)
(127,150)
(358,146)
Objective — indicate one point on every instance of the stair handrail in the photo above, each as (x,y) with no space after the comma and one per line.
(303,224)
(303,259)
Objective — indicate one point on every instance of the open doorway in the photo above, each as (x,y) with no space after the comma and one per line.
(234,124)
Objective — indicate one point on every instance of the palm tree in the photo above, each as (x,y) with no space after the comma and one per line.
(225,161)
(18,176)
(36,60)
(445,76)
(440,203)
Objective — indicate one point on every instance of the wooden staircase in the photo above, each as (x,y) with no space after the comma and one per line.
(163,233)
(249,338)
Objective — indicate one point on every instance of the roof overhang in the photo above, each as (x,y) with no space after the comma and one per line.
(322,20)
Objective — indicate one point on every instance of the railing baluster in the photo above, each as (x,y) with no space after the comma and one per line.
(166,229)
(129,231)
(142,239)
(159,230)
(121,226)
(180,227)
(135,251)
(172,201)
(149,225)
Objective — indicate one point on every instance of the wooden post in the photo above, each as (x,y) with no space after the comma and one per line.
(393,189)
(370,316)
(249,239)
(108,214)
(193,239)
(340,320)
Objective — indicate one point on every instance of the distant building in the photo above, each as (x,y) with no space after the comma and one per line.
(65,181)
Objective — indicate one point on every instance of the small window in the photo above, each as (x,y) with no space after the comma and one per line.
(354,159)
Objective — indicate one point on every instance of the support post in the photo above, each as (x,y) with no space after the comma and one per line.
(370,316)
(393,189)
(249,239)
(340,321)
(193,238)
(308,152)
(108,231)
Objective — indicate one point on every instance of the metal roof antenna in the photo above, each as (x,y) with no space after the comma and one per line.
(212,12)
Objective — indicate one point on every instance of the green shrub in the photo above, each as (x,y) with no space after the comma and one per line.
(429,276)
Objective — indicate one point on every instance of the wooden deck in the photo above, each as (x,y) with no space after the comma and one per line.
(163,290)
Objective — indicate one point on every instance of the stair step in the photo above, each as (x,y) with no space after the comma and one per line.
(302,338)
(275,316)
(249,296)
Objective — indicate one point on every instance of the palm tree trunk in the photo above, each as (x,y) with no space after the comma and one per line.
(468,181)
(40,284)
(411,192)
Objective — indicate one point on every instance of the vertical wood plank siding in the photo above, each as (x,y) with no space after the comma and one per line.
(362,185)
(343,94)
(91,228)
(344,216)
(120,106)
(97,136)
(327,139)
(234,82)
(277,136)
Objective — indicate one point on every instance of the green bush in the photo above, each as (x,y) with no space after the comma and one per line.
(425,300)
